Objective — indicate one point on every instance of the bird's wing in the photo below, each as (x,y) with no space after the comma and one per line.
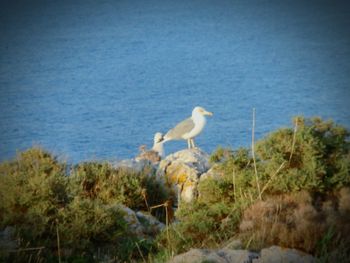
(180,129)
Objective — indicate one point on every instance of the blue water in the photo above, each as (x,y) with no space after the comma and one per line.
(96,79)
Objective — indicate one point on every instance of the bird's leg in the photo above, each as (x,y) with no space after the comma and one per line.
(192,143)
(189,143)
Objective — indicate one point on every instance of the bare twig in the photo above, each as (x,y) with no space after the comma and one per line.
(167,222)
(253,153)
(58,243)
(166,206)
(294,139)
(156,206)
(273,176)
(144,195)
(138,248)
(234,182)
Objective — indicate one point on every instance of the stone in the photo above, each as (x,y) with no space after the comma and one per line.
(234,244)
(132,220)
(195,158)
(272,254)
(141,165)
(189,191)
(7,239)
(196,256)
(212,173)
(215,256)
(141,223)
(237,255)
(276,254)
(182,171)
(151,225)
(149,155)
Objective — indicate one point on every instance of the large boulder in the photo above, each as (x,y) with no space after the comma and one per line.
(182,171)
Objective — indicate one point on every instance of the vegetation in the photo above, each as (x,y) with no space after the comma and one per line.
(44,204)
(313,159)
(302,202)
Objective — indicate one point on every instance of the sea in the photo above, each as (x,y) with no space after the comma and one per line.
(94,80)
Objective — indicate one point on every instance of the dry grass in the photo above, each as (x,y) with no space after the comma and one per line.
(299,221)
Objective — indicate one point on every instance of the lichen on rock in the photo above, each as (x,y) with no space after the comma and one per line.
(182,171)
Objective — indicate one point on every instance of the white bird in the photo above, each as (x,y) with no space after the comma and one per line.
(189,128)
(158,144)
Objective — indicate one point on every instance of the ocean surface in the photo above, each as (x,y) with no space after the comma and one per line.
(94,80)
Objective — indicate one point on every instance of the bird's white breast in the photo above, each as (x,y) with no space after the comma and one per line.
(158,147)
(199,123)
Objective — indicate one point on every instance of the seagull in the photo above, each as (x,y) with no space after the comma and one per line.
(189,128)
(158,144)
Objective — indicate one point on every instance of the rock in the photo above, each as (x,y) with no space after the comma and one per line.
(7,239)
(151,225)
(215,256)
(237,255)
(276,254)
(272,254)
(150,155)
(182,170)
(189,191)
(211,173)
(136,165)
(131,218)
(196,256)
(234,244)
(141,223)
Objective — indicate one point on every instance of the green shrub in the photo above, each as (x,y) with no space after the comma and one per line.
(87,226)
(136,190)
(42,202)
(32,190)
(319,161)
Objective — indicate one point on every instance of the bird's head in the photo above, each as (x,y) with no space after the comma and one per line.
(201,111)
(158,137)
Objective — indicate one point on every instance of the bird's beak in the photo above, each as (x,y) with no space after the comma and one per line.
(208,113)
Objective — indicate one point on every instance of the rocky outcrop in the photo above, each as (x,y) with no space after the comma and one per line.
(182,171)
(272,254)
